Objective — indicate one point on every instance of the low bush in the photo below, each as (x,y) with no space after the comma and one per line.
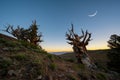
(52,66)
(20,56)
(50,56)
(7,43)
(70,60)
(71,77)
(101,76)
(4,63)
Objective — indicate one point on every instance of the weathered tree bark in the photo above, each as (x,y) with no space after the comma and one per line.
(79,44)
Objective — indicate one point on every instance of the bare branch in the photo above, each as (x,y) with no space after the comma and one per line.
(72,29)
(85,36)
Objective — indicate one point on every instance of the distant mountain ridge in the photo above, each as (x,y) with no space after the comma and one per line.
(58,53)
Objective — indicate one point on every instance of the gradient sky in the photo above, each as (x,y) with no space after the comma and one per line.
(56,16)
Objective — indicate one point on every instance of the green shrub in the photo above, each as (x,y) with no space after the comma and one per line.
(25,43)
(71,77)
(20,57)
(101,76)
(32,47)
(38,50)
(2,40)
(28,45)
(39,71)
(70,60)
(37,61)
(50,56)
(52,66)
(3,72)
(36,69)
(84,75)
(4,63)
(81,66)
(8,43)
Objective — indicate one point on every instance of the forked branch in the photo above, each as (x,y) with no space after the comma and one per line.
(76,39)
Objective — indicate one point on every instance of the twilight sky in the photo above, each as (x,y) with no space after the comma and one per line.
(100,17)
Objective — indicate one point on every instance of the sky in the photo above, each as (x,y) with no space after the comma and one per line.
(99,17)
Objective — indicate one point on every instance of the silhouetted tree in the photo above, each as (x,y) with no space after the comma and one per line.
(114,41)
(30,35)
(79,45)
(114,55)
(34,37)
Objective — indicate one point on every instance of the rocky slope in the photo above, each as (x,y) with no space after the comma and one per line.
(22,61)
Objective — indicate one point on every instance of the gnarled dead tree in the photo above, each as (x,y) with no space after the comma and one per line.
(79,45)
(19,33)
(29,35)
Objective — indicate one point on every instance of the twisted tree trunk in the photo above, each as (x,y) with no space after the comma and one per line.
(79,44)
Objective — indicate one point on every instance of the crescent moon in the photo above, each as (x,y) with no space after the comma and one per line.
(94,14)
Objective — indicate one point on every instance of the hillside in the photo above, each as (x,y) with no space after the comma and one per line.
(99,57)
(95,55)
(20,60)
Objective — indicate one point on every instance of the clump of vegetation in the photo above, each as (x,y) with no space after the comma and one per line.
(5,62)
(2,40)
(50,56)
(35,69)
(101,76)
(114,55)
(78,67)
(36,61)
(20,56)
(70,60)
(7,43)
(28,45)
(53,66)
(83,75)
(70,77)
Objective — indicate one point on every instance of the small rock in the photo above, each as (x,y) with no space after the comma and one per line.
(12,73)
(61,75)
(1,51)
(5,49)
(39,77)
(70,71)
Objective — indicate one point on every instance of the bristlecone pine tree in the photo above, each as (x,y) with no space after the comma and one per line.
(114,55)
(79,44)
(114,41)
(34,37)
(30,35)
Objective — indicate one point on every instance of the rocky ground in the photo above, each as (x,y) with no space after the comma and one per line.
(22,61)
